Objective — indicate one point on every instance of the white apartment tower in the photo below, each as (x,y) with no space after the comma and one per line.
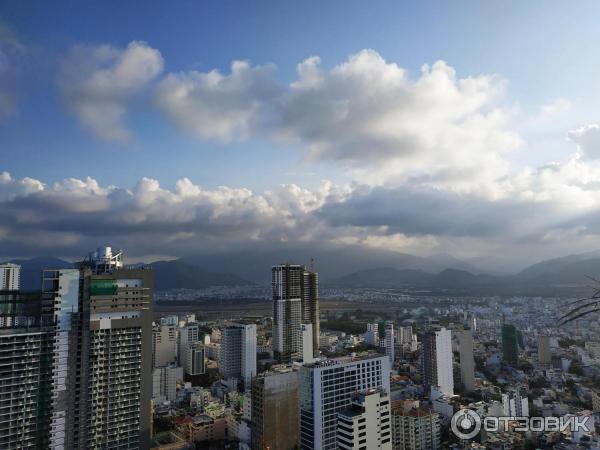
(467,362)
(415,427)
(238,352)
(188,334)
(307,343)
(366,422)
(372,334)
(327,387)
(437,360)
(10,277)
(164,345)
(514,404)
(389,342)
(405,335)
(164,383)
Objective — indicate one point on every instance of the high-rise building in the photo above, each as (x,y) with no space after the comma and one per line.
(307,343)
(544,352)
(515,404)
(238,352)
(327,387)
(372,334)
(295,301)
(10,277)
(274,408)
(366,422)
(437,360)
(164,345)
(405,335)
(467,361)
(287,310)
(310,305)
(102,374)
(390,342)
(26,355)
(195,362)
(510,344)
(415,427)
(189,334)
(164,382)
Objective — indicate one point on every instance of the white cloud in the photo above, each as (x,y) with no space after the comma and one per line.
(536,211)
(555,107)
(99,82)
(366,114)
(587,139)
(211,105)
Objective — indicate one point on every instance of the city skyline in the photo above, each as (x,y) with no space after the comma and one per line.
(432,131)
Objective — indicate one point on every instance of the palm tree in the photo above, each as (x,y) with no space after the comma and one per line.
(584,306)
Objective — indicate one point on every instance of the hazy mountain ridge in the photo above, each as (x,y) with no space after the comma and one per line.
(566,277)
(179,274)
(331,262)
(563,276)
(167,274)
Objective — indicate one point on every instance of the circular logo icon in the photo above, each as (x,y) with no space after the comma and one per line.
(466,424)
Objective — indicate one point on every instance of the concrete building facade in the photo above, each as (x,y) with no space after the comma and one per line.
(327,387)
(366,422)
(274,406)
(437,360)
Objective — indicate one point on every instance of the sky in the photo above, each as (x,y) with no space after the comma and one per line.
(180,128)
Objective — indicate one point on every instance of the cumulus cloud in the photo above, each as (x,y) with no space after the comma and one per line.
(211,105)
(587,139)
(555,107)
(98,83)
(553,207)
(366,113)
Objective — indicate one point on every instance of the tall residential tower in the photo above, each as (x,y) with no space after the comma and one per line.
(102,374)
(295,301)
(327,387)
(437,360)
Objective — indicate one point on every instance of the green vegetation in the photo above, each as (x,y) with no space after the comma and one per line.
(567,342)
(576,368)
(344,324)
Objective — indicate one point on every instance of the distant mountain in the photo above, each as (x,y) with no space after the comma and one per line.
(179,274)
(360,267)
(167,274)
(31,270)
(559,277)
(552,266)
(388,277)
(563,271)
(330,262)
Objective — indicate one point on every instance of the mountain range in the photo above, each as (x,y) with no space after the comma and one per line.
(167,274)
(440,274)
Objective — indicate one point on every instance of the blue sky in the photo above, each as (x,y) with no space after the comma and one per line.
(543,49)
(540,55)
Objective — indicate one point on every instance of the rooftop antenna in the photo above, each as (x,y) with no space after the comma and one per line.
(312,264)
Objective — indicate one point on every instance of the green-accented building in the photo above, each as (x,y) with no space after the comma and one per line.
(510,344)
